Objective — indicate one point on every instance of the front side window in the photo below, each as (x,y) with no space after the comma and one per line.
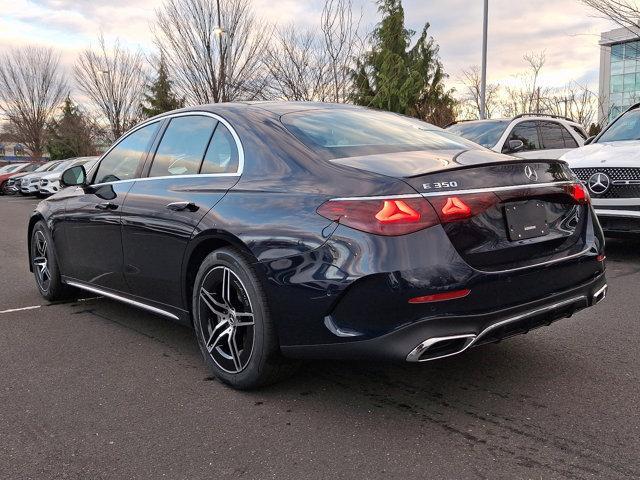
(626,127)
(183,146)
(527,132)
(122,162)
(222,154)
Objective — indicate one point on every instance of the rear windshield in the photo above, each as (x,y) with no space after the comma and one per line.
(626,127)
(339,133)
(486,133)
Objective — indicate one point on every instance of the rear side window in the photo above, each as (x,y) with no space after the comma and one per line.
(122,162)
(552,135)
(222,154)
(183,146)
(527,132)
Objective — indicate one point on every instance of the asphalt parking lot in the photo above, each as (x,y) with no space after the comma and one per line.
(95,389)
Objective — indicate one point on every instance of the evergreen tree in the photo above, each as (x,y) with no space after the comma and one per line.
(159,97)
(73,134)
(399,78)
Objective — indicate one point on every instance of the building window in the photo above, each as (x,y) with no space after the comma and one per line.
(625,77)
(18,150)
(2,154)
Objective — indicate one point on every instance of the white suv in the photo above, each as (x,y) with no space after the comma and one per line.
(526,136)
(610,168)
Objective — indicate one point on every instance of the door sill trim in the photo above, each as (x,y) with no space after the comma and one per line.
(120,298)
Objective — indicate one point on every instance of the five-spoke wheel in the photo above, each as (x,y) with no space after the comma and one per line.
(226,319)
(232,322)
(41,261)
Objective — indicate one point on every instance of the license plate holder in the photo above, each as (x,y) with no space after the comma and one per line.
(526,220)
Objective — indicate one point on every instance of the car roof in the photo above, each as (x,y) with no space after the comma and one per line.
(522,118)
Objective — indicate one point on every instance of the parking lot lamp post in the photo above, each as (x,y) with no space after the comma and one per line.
(483,83)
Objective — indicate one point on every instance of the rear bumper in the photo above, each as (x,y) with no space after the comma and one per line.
(619,220)
(444,336)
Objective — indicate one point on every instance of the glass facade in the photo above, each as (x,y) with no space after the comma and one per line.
(625,77)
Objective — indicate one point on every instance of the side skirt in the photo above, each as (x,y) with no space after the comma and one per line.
(175,314)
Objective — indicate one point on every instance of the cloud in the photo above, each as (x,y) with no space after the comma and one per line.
(564,29)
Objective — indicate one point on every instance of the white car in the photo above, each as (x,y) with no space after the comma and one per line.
(610,168)
(526,136)
(30,184)
(50,182)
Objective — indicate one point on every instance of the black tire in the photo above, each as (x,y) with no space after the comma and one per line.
(49,285)
(259,361)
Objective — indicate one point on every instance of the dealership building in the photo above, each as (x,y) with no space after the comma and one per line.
(619,71)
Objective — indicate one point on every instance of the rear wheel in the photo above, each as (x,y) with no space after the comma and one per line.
(45,266)
(232,323)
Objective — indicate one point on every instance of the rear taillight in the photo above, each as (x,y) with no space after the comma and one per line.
(579,193)
(455,208)
(382,217)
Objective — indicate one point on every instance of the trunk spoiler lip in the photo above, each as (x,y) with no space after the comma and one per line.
(455,166)
(459,192)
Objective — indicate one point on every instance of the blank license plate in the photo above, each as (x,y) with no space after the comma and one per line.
(526,220)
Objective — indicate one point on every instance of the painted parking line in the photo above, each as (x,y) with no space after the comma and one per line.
(35,307)
(11,310)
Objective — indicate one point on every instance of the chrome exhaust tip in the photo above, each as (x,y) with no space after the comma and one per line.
(600,295)
(440,347)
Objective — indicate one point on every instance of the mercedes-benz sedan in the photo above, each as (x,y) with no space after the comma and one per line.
(296,230)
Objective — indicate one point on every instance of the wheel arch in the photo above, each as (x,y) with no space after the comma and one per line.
(201,246)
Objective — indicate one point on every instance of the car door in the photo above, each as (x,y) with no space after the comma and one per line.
(527,132)
(196,161)
(556,139)
(92,251)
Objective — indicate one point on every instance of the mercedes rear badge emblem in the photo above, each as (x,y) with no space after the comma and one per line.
(531,173)
(599,183)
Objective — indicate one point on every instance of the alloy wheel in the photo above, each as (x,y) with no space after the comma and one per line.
(226,319)
(41,261)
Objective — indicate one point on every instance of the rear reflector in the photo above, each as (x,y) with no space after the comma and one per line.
(601,258)
(440,297)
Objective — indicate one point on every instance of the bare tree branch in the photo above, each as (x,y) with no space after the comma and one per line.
(114,80)
(471,79)
(342,45)
(31,88)
(625,13)
(208,62)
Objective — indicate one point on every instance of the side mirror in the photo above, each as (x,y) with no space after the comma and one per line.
(514,146)
(73,176)
(589,140)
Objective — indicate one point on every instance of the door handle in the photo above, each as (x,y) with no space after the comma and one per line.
(182,206)
(107,206)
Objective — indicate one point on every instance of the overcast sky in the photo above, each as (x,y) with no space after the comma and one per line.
(565,29)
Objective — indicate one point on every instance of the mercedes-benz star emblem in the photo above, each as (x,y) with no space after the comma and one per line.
(531,173)
(599,183)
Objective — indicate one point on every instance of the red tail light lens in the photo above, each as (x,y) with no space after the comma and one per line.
(383,217)
(461,207)
(579,193)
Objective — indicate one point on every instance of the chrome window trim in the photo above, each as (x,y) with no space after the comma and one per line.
(458,192)
(119,298)
(617,213)
(168,117)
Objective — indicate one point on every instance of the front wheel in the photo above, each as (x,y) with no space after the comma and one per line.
(44,265)
(231,318)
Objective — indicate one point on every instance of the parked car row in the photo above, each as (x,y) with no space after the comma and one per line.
(607,164)
(37,179)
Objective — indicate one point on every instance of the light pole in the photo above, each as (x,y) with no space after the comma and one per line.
(218,31)
(483,80)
